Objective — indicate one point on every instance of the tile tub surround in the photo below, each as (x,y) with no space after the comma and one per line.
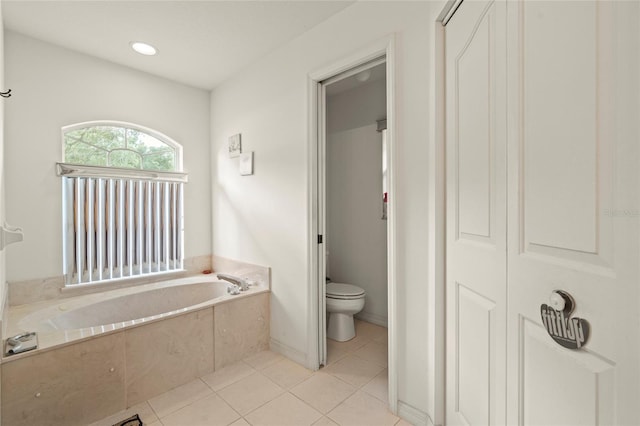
(36,290)
(66,383)
(249,271)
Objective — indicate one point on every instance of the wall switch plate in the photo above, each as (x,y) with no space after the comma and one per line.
(246,163)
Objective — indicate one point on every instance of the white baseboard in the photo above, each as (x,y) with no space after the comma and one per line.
(289,352)
(413,415)
(373,318)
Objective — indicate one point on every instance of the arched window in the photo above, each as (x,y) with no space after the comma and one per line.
(122,202)
(126,145)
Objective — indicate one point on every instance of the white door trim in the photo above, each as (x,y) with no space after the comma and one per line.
(385,46)
(437,220)
(438,226)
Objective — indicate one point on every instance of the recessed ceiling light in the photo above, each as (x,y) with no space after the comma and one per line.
(143,48)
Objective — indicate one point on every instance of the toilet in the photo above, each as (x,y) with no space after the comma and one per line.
(343,302)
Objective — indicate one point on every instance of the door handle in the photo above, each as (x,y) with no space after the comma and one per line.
(561,301)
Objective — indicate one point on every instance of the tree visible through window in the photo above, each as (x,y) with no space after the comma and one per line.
(112,146)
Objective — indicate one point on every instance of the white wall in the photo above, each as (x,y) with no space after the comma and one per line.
(263,218)
(54,87)
(3,274)
(3,263)
(356,236)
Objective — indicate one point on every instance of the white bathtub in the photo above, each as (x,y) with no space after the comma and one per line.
(150,303)
(65,320)
(111,350)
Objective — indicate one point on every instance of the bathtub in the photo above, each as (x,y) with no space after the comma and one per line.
(111,350)
(66,320)
(116,310)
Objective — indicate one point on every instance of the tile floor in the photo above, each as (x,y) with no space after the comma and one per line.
(268,389)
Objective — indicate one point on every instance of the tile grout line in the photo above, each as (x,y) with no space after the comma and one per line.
(188,405)
(277,396)
(307,404)
(253,370)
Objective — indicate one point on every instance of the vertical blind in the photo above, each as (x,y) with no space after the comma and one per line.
(120,223)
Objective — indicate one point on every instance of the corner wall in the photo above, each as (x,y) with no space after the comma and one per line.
(3,263)
(54,87)
(262,219)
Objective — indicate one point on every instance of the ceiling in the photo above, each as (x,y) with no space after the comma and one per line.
(200,43)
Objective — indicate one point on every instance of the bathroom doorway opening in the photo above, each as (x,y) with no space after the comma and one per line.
(352,215)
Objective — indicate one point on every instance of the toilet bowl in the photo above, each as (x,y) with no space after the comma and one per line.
(343,302)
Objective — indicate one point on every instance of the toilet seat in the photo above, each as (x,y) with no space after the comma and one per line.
(344,291)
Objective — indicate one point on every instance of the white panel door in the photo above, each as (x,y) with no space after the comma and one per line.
(552,205)
(573,209)
(476,214)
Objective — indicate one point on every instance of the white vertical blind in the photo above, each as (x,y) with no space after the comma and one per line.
(115,227)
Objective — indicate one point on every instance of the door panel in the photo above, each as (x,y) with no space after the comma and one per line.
(476,214)
(473,127)
(573,388)
(543,100)
(475,322)
(559,126)
(573,163)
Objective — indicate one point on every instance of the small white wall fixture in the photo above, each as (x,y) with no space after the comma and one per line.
(315,220)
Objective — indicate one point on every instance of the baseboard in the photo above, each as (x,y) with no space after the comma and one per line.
(289,352)
(413,415)
(373,318)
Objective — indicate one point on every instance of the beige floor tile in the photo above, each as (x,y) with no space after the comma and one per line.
(373,352)
(348,346)
(263,359)
(323,391)
(156,423)
(335,351)
(379,386)
(143,410)
(325,421)
(249,393)
(354,370)
(179,397)
(210,411)
(285,410)
(369,331)
(383,338)
(403,422)
(228,375)
(240,422)
(363,409)
(287,373)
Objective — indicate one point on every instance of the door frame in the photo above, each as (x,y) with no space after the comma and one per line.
(438,217)
(315,165)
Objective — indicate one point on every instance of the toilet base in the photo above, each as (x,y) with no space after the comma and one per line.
(340,327)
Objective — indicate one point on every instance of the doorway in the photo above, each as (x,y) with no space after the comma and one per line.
(364,69)
(355,233)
